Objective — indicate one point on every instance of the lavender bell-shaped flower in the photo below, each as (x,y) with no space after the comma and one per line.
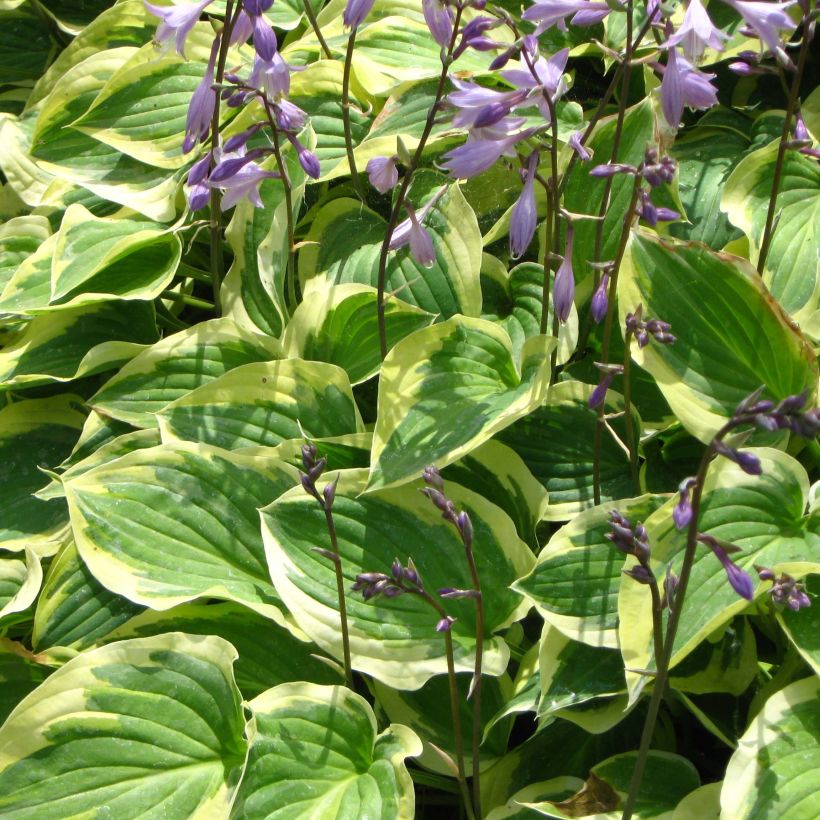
(682,514)
(563,289)
(202,105)
(600,300)
(739,579)
(697,32)
(199,192)
(421,243)
(439,21)
(176,22)
(683,85)
(524,216)
(382,173)
(548,13)
(355,12)
(766,20)
(608,372)
(575,143)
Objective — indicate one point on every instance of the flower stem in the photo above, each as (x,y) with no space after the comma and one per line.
(351,159)
(215,227)
(545,295)
(630,432)
(405,184)
(791,105)
(479,654)
(613,290)
(340,591)
(316,30)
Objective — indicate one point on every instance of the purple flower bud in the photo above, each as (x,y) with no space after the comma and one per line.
(563,289)
(239,140)
(438,498)
(465,527)
(264,40)
(739,579)
(199,170)
(256,7)
(391,591)
(502,59)
(199,196)
(670,587)
(577,146)
(600,300)
(329,493)
(445,624)
(317,469)
(748,462)
(355,12)
(439,21)
(682,514)
(310,163)
(524,216)
(610,169)
(764,573)
(598,395)
(432,476)
(309,454)
(202,105)
(308,485)
(241,32)
(642,574)
(382,173)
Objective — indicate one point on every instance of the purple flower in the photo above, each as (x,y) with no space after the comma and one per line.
(697,32)
(748,462)
(611,169)
(577,146)
(402,233)
(684,85)
(600,300)
(355,12)
(598,395)
(256,7)
(766,20)
(785,591)
(242,29)
(563,289)
(439,21)
(549,78)
(307,159)
(477,155)
(264,40)
(177,22)
(652,214)
(432,477)
(202,106)
(241,180)
(382,173)
(682,514)
(739,579)
(548,13)
(412,233)
(289,117)
(445,624)
(524,217)
(271,77)
(480,107)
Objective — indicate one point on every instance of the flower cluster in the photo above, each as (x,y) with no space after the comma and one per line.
(631,540)
(786,592)
(644,329)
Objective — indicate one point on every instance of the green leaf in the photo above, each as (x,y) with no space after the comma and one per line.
(264,404)
(394,640)
(19,584)
(448,389)
(268,654)
(141,542)
(792,267)
(348,240)
(19,238)
(157,723)
(19,675)
(175,366)
(706,156)
(77,342)
(97,259)
(34,433)
(574,583)
(731,336)
(555,441)
(314,752)
(773,773)
(75,610)
(27,47)
(339,325)
(763,515)
(27,179)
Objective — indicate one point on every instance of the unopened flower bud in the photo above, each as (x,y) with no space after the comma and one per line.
(445,624)
(432,477)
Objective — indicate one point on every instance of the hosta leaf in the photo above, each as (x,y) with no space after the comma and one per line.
(792,265)
(19,674)
(34,433)
(763,515)
(77,342)
(268,654)
(314,752)
(427,712)
(448,389)
(19,584)
(169,524)
(555,441)
(141,110)
(253,293)
(157,723)
(177,365)
(574,583)
(349,239)
(517,807)
(342,452)
(394,640)
(339,325)
(75,610)
(25,177)
(20,237)
(27,47)
(498,473)
(667,780)
(264,404)
(97,259)
(773,773)
(731,336)
(803,627)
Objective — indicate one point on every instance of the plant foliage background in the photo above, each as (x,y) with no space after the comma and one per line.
(257,290)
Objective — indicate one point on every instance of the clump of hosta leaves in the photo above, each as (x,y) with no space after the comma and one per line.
(409,408)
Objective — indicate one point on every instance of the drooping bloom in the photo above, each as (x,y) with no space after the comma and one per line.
(524,216)
(600,300)
(199,192)
(748,462)
(271,77)
(785,591)
(548,13)
(264,40)
(202,106)
(608,373)
(177,22)
(683,85)
(480,107)
(697,32)
(766,20)
(411,232)
(382,173)
(738,578)
(356,11)
(439,20)
(575,143)
(563,289)
(682,514)
(548,79)
(244,184)
(477,155)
